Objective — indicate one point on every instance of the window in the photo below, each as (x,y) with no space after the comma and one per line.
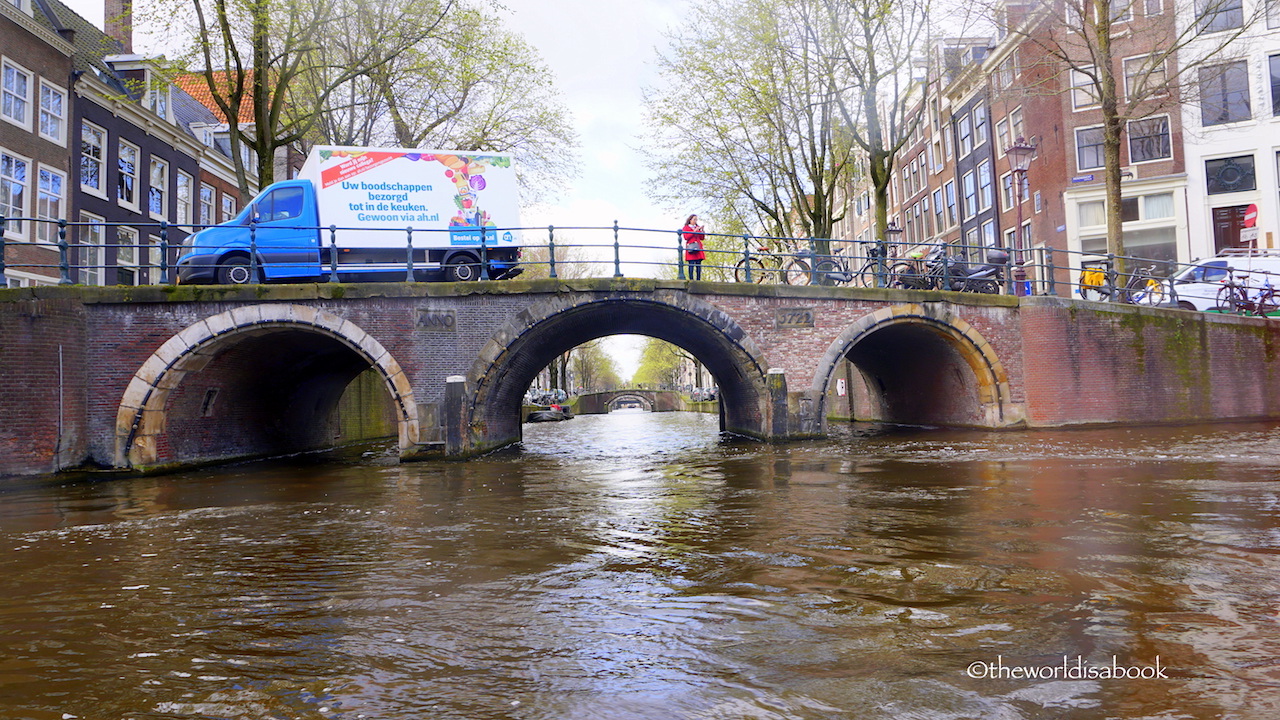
(1121,11)
(15,93)
(91,251)
(1157,207)
(984,185)
(1274,61)
(228,207)
(1228,175)
(1149,139)
(950,188)
(127,182)
(1036,197)
(207,194)
(1153,7)
(964,135)
(281,204)
(92,165)
(989,233)
(1006,191)
(938,218)
(1016,128)
(1273,14)
(1216,15)
(155,258)
(970,195)
(13,191)
(49,204)
(1083,92)
(158,189)
(1224,93)
(126,256)
(53,115)
(185,184)
(1129,209)
(1143,80)
(1089,148)
(1002,136)
(979,125)
(158,98)
(1092,213)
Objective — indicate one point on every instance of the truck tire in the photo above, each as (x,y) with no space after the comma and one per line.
(234,270)
(462,268)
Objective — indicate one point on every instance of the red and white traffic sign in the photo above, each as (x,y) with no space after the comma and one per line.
(1251,215)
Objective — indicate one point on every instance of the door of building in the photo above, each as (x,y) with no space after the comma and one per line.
(1227,222)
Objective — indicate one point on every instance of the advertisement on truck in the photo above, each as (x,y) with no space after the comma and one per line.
(370,213)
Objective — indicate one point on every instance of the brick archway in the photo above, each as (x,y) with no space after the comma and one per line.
(514,355)
(141,418)
(995,406)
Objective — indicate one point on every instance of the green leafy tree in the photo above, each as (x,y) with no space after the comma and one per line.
(746,129)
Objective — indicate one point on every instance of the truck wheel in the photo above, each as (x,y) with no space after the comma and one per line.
(234,271)
(463,268)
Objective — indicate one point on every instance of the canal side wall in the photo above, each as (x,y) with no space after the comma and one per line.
(68,355)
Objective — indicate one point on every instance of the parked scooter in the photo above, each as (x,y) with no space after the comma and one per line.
(953,273)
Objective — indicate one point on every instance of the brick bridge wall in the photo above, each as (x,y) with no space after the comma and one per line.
(123,376)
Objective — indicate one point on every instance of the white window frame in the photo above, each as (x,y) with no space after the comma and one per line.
(16,229)
(980,126)
(101,161)
(1150,73)
(1006,191)
(964,140)
(27,99)
(1151,8)
(48,206)
(153,259)
(158,100)
(182,195)
(1080,166)
(1168,128)
(968,182)
(207,210)
(987,191)
(127,237)
(228,208)
(1082,86)
(59,120)
(90,239)
(1123,17)
(158,187)
(132,204)
(1273,14)
(1017,128)
(1223,69)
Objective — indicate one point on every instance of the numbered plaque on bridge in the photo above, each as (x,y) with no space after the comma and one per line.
(795,317)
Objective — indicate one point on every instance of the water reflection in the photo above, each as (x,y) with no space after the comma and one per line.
(641,566)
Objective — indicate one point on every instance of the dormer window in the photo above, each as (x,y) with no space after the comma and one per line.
(157,99)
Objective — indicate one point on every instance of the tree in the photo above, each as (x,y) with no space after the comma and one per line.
(871,47)
(747,131)
(662,364)
(469,85)
(593,368)
(1129,64)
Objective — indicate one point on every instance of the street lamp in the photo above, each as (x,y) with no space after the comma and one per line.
(891,234)
(1020,154)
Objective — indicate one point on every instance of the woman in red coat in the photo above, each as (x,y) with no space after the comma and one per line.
(693,235)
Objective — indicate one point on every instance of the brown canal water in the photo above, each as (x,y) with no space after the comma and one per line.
(639,566)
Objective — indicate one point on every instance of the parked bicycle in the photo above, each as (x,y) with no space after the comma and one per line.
(1098,282)
(768,266)
(1237,296)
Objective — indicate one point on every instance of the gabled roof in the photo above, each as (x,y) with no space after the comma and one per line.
(195,85)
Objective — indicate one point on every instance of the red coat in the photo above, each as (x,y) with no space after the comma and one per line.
(693,237)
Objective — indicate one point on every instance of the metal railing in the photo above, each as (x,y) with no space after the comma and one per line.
(83,254)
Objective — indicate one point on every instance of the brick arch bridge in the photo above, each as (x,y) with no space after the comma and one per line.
(608,400)
(148,378)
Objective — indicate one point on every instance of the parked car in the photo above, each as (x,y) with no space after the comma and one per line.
(1197,286)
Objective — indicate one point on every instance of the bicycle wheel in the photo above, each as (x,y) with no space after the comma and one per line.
(1147,291)
(986,286)
(902,275)
(866,277)
(1230,300)
(796,272)
(758,273)
(1266,303)
(825,272)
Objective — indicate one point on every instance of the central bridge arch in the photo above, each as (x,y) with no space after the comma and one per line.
(509,362)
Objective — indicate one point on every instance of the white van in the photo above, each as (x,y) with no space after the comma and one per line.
(1198,285)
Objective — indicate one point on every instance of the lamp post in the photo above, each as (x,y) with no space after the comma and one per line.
(1020,154)
(891,234)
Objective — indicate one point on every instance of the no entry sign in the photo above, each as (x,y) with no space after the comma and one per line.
(1251,215)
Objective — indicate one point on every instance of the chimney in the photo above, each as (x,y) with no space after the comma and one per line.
(118,19)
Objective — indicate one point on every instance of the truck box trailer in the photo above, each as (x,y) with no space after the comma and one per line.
(370,213)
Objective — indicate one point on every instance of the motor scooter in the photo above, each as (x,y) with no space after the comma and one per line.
(953,273)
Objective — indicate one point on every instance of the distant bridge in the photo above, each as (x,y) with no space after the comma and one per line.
(610,400)
(156,377)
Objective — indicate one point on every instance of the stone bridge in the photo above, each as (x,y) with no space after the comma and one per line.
(154,377)
(651,400)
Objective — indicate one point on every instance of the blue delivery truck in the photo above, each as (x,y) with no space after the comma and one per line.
(370,213)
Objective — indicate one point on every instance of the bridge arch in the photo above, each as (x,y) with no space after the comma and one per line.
(922,365)
(317,352)
(513,356)
(630,397)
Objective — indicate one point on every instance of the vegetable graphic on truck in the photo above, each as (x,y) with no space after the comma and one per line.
(370,213)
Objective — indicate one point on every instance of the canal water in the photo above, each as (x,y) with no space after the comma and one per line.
(639,566)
